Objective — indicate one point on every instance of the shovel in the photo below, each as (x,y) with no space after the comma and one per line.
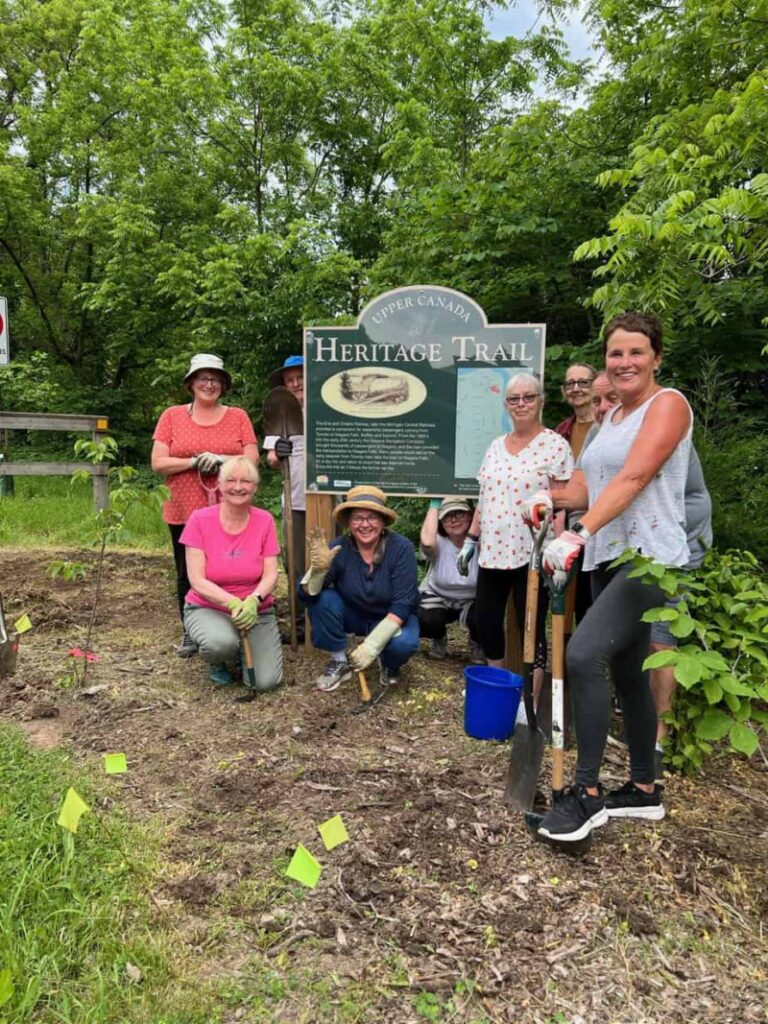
(527,750)
(533,821)
(367,701)
(249,676)
(282,414)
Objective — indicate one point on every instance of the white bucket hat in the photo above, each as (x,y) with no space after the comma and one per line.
(206,361)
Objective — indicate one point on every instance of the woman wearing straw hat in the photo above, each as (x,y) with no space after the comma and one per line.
(365,583)
(191,441)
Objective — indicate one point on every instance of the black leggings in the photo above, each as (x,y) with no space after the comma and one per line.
(180,558)
(612,638)
(432,622)
(493,589)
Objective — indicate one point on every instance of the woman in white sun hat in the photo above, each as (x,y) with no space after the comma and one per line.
(191,442)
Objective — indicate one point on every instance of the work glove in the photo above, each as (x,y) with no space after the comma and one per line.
(535,509)
(466,553)
(207,462)
(283,447)
(374,644)
(559,555)
(435,503)
(320,559)
(245,614)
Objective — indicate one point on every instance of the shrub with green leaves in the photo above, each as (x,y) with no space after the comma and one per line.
(721,663)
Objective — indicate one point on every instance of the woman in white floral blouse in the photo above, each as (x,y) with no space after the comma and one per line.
(515,467)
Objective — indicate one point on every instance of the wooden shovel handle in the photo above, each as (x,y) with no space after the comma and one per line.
(365,693)
(247,652)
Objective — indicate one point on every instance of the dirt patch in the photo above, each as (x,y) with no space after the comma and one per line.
(440,907)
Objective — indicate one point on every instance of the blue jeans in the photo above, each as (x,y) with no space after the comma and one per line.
(331,619)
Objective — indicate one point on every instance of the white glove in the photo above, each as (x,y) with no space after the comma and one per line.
(559,555)
(374,644)
(535,509)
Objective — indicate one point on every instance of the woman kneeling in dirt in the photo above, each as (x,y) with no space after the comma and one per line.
(365,584)
(232,552)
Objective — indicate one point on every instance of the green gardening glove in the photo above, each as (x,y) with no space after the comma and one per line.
(247,614)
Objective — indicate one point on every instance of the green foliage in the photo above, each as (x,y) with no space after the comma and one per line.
(66,570)
(721,665)
(110,523)
(75,913)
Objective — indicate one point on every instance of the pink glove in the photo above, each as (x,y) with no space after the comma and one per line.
(536,508)
(559,555)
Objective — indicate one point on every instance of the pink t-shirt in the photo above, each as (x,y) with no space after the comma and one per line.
(185,438)
(234,561)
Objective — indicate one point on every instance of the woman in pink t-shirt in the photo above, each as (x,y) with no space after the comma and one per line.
(191,443)
(232,554)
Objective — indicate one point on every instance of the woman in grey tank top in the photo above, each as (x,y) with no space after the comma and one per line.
(633,484)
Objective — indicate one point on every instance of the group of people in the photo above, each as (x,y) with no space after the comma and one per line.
(619,473)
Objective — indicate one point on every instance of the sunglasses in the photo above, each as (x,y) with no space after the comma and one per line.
(521,399)
(571,385)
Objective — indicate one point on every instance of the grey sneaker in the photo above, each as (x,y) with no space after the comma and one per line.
(187,648)
(332,676)
(439,649)
(476,656)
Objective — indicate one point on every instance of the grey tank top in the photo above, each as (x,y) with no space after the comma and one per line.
(654,523)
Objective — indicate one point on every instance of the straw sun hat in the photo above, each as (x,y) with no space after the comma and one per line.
(367,497)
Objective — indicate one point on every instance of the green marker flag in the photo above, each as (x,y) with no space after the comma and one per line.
(333,832)
(72,810)
(304,868)
(6,986)
(115,764)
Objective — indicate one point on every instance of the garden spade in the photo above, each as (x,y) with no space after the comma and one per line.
(249,676)
(533,821)
(527,750)
(282,414)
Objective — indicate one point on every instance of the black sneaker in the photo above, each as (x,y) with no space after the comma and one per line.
(574,815)
(390,677)
(631,802)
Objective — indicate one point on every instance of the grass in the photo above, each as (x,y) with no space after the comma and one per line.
(49,512)
(75,910)
(52,512)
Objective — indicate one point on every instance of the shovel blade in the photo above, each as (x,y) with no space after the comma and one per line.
(524,767)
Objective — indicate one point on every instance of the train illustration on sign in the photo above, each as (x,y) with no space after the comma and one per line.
(369,388)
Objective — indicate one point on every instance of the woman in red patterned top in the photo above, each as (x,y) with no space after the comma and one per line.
(191,441)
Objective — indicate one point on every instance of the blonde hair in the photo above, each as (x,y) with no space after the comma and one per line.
(242,463)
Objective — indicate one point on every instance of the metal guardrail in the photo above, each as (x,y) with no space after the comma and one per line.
(96,426)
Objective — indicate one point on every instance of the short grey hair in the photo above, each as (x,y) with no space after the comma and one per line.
(239,463)
(524,378)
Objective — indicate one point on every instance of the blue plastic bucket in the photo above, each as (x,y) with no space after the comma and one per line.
(491,699)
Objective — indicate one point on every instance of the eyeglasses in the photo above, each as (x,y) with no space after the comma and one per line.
(216,381)
(359,520)
(521,399)
(571,385)
(456,514)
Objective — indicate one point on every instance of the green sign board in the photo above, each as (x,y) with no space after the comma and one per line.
(410,398)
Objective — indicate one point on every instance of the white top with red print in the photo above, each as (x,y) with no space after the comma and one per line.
(505,482)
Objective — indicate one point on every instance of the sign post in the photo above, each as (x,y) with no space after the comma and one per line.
(410,397)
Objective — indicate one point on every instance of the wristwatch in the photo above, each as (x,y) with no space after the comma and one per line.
(582,530)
